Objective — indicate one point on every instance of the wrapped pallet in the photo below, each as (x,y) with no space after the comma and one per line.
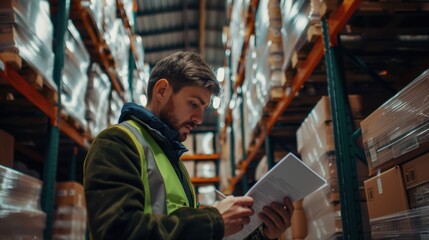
(97,100)
(21,216)
(75,77)
(315,143)
(268,38)
(115,106)
(21,34)
(119,45)
(398,130)
(237,29)
(409,224)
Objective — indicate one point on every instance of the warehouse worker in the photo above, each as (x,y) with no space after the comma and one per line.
(135,185)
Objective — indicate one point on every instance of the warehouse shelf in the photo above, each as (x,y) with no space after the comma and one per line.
(199,180)
(336,21)
(96,45)
(9,74)
(199,157)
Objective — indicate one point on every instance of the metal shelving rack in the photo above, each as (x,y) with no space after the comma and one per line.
(351,219)
(53,110)
(335,22)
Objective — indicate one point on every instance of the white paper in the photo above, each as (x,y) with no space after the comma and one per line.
(289,177)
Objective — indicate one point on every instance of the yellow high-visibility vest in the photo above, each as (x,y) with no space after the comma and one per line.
(163,190)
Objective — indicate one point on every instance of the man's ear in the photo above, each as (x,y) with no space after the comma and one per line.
(161,90)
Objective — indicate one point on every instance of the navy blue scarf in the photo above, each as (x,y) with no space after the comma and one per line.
(130,110)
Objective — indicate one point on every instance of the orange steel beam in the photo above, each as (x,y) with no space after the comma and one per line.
(202,157)
(199,180)
(23,87)
(335,22)
(73,134)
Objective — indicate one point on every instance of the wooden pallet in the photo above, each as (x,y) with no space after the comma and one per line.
(31,75)
(72,121)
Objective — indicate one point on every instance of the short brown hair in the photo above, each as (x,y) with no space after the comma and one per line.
(183,69)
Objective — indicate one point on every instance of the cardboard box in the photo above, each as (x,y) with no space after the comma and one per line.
(326,166)
(6,149)
(70,194)
(317,138)
(322,111)
(416,171)
(385,193)
(419,196)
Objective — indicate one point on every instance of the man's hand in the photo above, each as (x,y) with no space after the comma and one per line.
(276,217)
(235,212)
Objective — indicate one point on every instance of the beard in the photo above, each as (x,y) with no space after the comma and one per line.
(168,117)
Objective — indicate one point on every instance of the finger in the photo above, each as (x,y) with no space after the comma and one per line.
(244,212)
(283,212)
(245,201)
(275,216)
(246,220)
(267,221)
(289,205)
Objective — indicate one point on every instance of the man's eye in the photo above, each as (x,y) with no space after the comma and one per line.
(194,105)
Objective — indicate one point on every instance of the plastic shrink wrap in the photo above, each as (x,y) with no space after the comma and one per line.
(398,127)
(115,106)
(237,29)
(139,52)
(267,32)
(410,224)
(75,77)
(120,48)
(128,7)
(21,33)
(315,143)
(20,214)
(69,223)
(141,73)
(97,100)
(237,127)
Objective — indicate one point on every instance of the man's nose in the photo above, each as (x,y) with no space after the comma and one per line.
(198,116)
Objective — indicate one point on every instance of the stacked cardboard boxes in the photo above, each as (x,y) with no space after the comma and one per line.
(70,213)
(396,138)
(315,143)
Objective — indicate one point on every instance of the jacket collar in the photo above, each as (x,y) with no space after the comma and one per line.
(158,129)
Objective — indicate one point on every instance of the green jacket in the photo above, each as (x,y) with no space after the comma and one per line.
(115,194)
(115,197)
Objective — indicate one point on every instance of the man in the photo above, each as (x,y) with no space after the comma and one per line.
(135,185)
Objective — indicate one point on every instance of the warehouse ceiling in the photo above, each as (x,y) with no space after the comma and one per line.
(168,26)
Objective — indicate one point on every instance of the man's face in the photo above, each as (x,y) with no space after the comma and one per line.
(185,109)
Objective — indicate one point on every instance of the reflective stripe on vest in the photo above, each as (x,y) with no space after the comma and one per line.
(162,188)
